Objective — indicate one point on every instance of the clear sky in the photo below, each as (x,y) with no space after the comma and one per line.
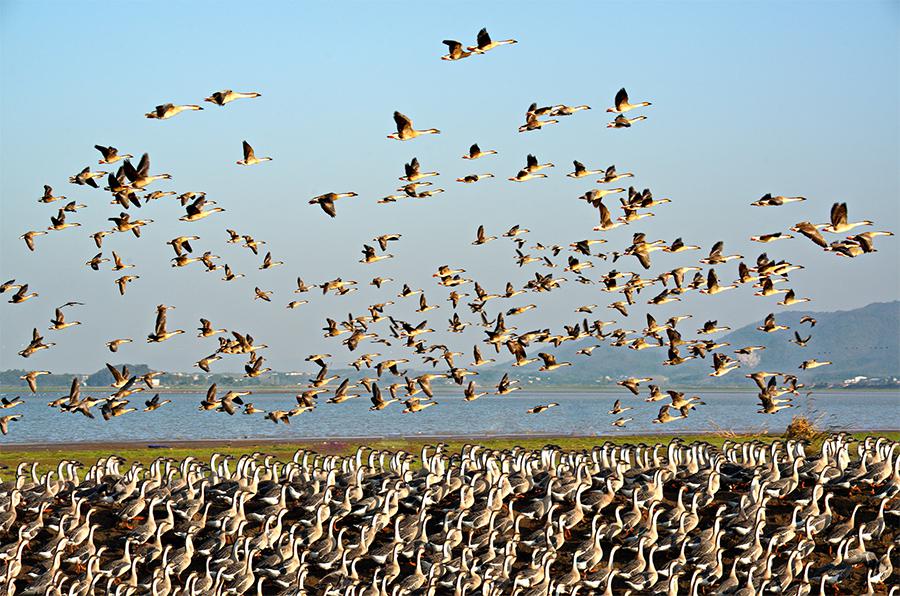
(793,98)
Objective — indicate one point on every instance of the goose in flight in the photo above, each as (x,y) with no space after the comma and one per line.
(799,340)
(525,175)
(31,378)
(29,236)
(618,409)
(813,363)
(767,200)
(621,422)
(111,154)
(632,384)
(564,110)
(414,404)
(475,152)
(533,122)
(249,156)
(550,363)
(622,121)
(665,416)
(140,177)
(123,282)
(712,284)
(474,178)
(86,176)
(413,173)
(155,403)
(370,257)
(469,393)
(22,294)
(454,50)
(485,43)
(160,334)
(378,402)
(581,171)
(262,295)
(770,326)
(405,131)
(481,237)
(36,344)
(790,299)
(326,201)
(58,322)
(167,110)
(197,210)
(839,224)
(268,263)
(4,426)
(621,103)
(507,386)
(810,231)
(114,344)
(541,408)
(48,196)
(57,223)
(220,98)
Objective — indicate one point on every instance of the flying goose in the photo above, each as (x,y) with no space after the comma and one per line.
(770,326)
(623,122)
(114,344)
(262,295)
(111,154)
(475,152)
(370,257)
(813,363)
(4,428)
(249,156)
(86,176)
(167,110)
(28,237)
(532,122)
(155,403)
(455,50)
(140,177)
(525,175)
(56,223)
(198,210)
(550,363)
(564,110)
(484,43)
(220,98)
(58,322)
(326,201)
(22,294)
(622,105)
(414,404)
(767,200)
(632,383)
(474,178)
(48,196)
(839,224)
(36,344)
(542,408)
(481,237)
(581,171)
(31,378)
(405,131)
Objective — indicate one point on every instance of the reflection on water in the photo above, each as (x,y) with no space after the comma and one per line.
(579,414)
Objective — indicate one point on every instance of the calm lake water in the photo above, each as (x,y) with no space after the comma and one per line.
(579,413)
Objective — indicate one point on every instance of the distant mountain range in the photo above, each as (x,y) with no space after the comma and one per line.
(863,345)
(864,342)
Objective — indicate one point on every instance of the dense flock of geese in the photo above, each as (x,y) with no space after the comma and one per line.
(745,519)
(490,307)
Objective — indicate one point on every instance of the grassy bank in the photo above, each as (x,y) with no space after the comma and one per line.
(49,456)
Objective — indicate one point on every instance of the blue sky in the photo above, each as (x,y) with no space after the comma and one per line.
(749,98)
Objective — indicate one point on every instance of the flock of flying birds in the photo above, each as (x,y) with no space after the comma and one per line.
(128,187)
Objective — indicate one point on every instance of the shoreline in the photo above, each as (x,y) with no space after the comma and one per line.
(310,441)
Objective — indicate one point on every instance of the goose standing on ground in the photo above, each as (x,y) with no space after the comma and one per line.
(405,131)
(250,157)
(220,98)
(167,110)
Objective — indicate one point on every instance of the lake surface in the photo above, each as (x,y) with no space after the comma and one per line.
(579,413)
